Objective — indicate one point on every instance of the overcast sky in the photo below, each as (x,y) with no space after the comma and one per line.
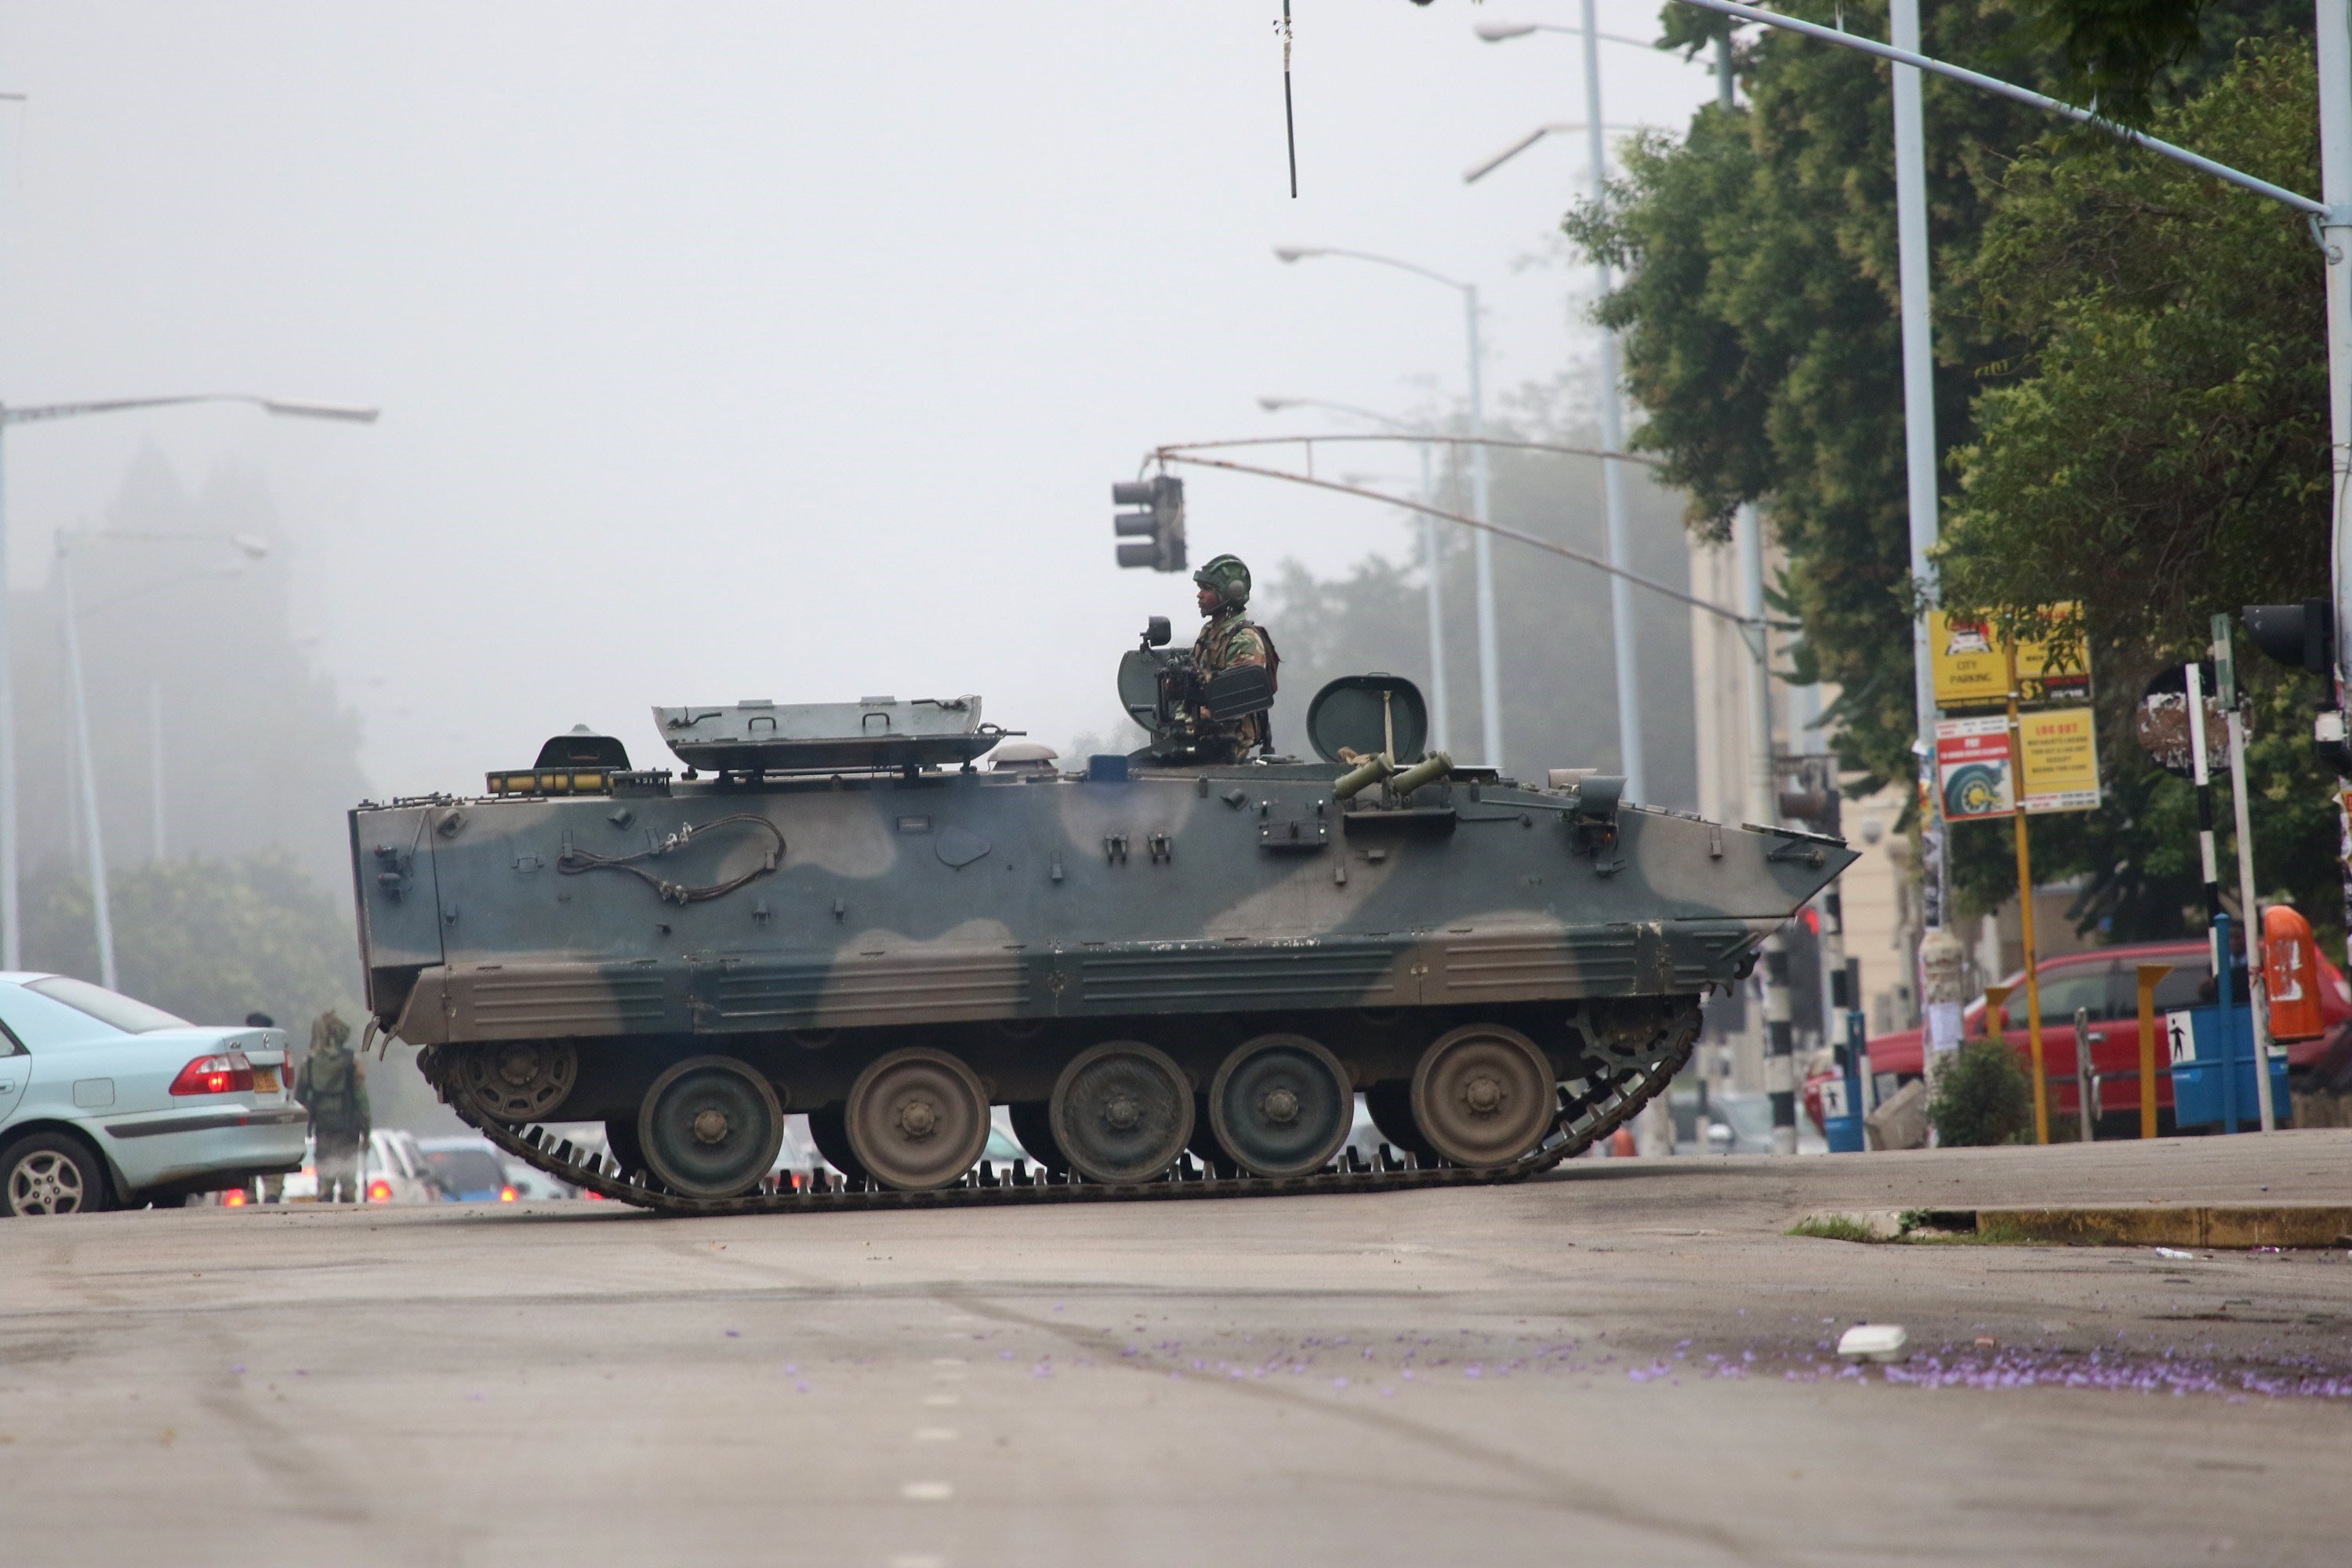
(770,350)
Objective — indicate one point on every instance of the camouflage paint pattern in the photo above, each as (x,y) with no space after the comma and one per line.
(1017,916)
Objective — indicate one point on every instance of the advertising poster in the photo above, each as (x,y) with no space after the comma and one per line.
(1972,768)
(2061,759)
(1971,664)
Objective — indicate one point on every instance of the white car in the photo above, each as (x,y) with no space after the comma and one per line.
(392,1169)
(105,1100)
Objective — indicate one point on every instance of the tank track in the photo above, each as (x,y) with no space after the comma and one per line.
(1591,1109)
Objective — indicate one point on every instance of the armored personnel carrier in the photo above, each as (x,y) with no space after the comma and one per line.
(1176,971)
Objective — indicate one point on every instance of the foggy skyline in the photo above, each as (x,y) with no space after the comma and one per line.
(741,352)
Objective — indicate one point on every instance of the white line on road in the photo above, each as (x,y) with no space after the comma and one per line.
(926,1492)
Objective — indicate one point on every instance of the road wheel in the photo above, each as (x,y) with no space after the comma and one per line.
(51,1173)
(1483,1096)
(1281,1106)
(1033,1123)
(517,1080)
(710,1127)
(917,1120)
(1122,1112)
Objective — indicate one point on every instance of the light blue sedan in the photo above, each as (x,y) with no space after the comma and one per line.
(105,1100)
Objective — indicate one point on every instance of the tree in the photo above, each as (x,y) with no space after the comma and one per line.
(1758,321)
(2158,451)
(209,939)
(1759,315)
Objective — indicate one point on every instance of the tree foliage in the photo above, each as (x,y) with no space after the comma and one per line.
(2159,452)
(2124,370)
(209,939)
(1759,321)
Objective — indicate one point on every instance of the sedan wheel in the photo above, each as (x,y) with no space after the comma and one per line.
(49,1173)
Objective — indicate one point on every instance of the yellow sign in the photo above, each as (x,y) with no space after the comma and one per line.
(2062,765)
(2061,759)
(1971,662)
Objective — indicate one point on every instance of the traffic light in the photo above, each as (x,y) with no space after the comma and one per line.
(1158,529)
(2302,635)
(1817,801)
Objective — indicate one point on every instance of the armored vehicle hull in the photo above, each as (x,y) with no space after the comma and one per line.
(1175,976)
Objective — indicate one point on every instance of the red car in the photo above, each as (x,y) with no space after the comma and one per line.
(2103,982)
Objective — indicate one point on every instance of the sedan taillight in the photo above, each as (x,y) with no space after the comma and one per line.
(378,1191)
(227,1074)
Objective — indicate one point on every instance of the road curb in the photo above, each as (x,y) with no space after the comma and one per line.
(2225,1226)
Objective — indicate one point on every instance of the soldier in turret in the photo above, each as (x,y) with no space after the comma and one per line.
(333,1087)
(1229,639)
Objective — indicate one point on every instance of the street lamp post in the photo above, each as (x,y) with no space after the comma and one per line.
(1490,714)
(12,947)
(1612,418)
(101,909)
(1440,725)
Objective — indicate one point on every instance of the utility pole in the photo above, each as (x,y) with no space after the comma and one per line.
(92,842)
(2250,918)
(2333,41)
(1482,550)
(1613,440)
(1763,811)
(1940,1015)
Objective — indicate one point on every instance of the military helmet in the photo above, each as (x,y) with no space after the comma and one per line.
(1227,578)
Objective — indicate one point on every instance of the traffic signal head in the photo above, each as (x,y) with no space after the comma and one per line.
(2302,635)
(1158,529)
(1816,802)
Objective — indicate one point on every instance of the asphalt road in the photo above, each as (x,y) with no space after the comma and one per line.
(1619,1365)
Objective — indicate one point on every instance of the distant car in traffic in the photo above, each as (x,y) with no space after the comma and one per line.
(105,1100)
(392,1169)
(467,1169)
(1737,1121)
(2102,982)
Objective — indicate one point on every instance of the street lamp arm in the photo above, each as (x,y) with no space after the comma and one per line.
(1497,441)
(2238,177)
(1501,32)
(1476,172)
(21,415)
(1180,455)
(1291,253)
(1276,404)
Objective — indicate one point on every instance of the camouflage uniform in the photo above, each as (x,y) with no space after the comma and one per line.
(334,1085)
(1231,641)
